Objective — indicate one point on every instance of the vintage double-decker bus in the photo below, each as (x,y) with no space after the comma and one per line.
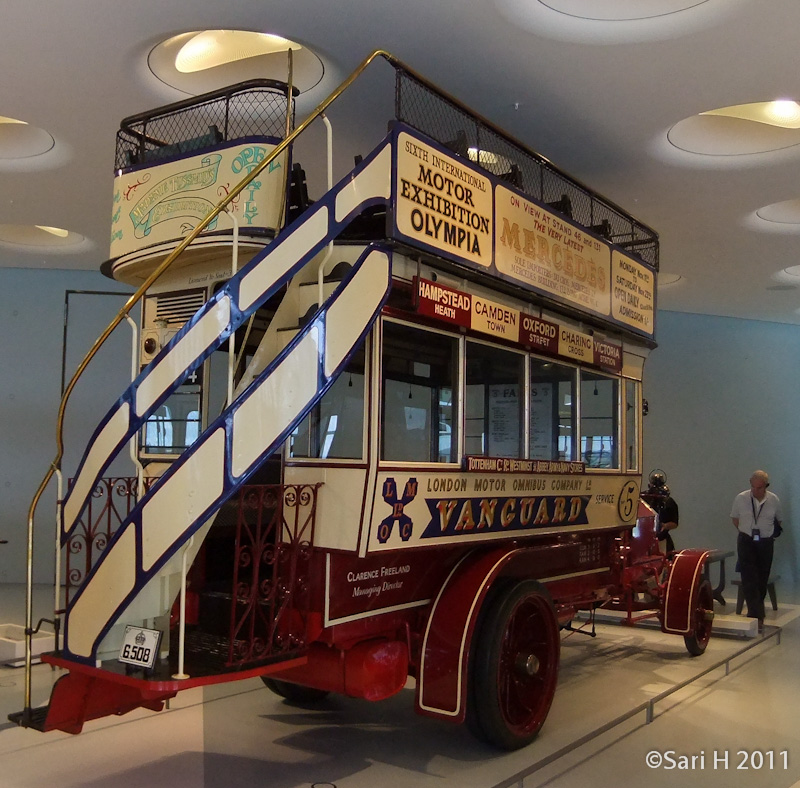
(390,433)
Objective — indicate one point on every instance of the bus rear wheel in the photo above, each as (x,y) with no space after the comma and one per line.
(515,657)
(294,693)
(702,619)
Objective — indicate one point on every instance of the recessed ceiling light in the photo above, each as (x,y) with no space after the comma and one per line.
(666,279)
(739,130)
(41,236)
(213,48)
(620,10)
(782,113)
(57,231)
(616,21)
(784,212)
(203,60)
(20,140)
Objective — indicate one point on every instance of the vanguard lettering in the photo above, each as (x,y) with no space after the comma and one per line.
(460,516)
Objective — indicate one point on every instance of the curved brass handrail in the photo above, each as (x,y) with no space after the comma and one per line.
(55,465)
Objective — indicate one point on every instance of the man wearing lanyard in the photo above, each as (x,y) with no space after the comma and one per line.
(754,514)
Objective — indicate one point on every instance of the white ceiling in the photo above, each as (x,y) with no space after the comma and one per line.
(597,97)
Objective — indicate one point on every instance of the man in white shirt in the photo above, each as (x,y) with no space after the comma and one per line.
(755,513)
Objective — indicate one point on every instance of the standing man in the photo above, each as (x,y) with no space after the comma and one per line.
(754,514)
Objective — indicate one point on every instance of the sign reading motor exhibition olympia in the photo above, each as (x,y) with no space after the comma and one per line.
(443,202)
(165,202)
(467,215)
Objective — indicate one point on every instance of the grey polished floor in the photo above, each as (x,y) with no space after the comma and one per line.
(241,735)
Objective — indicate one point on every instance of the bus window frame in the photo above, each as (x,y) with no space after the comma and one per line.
(525,426)
(637,424)
(576,368)
(366,425)
(458,404)
(618,467)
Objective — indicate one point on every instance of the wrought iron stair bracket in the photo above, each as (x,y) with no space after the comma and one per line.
(368,184)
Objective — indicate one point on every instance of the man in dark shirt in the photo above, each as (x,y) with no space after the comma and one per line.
(658,496)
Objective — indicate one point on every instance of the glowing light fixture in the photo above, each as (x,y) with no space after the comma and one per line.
(201,60)
(212,48)
(36,237)
(493,162)
(482,156)
(12,120)
(57,231)
(783,113)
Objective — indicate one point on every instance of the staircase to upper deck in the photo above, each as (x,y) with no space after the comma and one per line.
(288,379)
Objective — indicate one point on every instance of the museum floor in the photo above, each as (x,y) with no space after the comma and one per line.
(242,735)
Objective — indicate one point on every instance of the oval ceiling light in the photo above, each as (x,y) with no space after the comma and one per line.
(615,21)
(37,237)
(784,212)
(200,61)
(20,140)
(787,279)
(620,10)
(782,113)
(739,130)
(666,279)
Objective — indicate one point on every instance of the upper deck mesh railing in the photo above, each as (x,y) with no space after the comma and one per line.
(419,105)
(253,108)
(258,108)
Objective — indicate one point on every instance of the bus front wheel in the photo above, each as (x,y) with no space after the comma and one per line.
(702,618)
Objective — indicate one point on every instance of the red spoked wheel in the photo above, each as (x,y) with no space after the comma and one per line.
(702,620)
(515,655)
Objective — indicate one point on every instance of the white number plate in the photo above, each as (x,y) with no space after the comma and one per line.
(140,647)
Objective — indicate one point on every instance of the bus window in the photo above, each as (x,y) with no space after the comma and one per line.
(599,408)
(419,421)
(175,425)
(217,383)
(552,398)
(494,407)
(632,411)
(334,429)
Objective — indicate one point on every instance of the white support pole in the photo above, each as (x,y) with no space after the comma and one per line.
(132,448)
(232,339)
(57,578)
(181,674)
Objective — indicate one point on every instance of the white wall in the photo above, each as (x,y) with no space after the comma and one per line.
(723,397)
(31,342)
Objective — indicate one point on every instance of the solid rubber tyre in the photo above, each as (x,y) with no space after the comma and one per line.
(295,693)
(697,640)
(514,666)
